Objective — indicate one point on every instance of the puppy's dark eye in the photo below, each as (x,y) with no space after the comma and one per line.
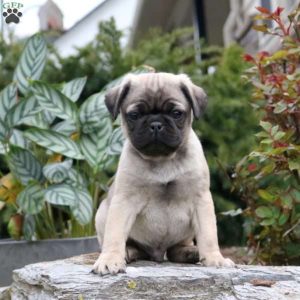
(133,115)
(176,114)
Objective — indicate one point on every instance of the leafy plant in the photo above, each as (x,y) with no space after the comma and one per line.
(269,177)
(58,153)
(226,132)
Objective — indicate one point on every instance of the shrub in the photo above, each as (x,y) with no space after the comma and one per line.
(269,177)
(226,132)
(60,155)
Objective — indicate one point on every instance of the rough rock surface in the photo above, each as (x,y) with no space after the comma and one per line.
(5,293)
(72,279)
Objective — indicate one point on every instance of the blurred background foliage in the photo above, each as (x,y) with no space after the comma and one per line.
(227,127)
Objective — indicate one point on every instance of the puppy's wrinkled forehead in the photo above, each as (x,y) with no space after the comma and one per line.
(155,91)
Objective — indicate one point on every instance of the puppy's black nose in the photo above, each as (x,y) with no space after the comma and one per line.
(156,126)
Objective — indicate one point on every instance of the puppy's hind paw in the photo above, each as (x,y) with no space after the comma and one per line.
(109,263)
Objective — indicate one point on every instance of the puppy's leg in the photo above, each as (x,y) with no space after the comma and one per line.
(100,220)
(185,252)
(204,221)
(134,252)
(120,218)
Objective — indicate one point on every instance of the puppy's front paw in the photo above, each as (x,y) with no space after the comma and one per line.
(109,263)
(215,259)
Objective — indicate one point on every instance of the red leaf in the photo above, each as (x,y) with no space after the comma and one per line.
(252,167)
(263,10)
(248,57)
(263,54)
(278,11)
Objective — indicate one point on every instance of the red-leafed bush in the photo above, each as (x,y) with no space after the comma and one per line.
(269,177)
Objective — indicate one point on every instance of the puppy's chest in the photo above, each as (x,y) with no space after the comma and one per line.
(166,218)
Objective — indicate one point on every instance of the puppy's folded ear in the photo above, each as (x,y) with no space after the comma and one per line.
(115,97)
(194,95)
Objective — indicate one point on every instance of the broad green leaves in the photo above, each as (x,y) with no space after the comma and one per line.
(57,172)
(74,88)
(24,109)
(31,63)
(80,201)
(54,101)
(31,199)
(60,194)
(58,128)
(93,113)
(17,138)
(24,165)
(8,98)
(65,127)
(83,207)
(55,142)
(76,179)
(94,148)
(115,143)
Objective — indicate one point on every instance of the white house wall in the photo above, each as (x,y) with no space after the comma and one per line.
(85,30)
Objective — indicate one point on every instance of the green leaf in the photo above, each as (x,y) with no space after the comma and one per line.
(73,88)
(4,131)
(280,107)
(57,172)
(3,148)
(93,113)
(75,179)
(262,134)
(79,200)
(269,168)
(38,120)
(31,199)
(279,135)
(66,127)
(296,195)
(292,249)
(8,98)
(264,212)
(61,194)
(115,143)
(83,209)
(274,129)
(279,54)
(266,141)
(261,28)
(54,101)
(282,219)
(22,110)
(48,116)
(267,222)
(294,164)
(55,142)
(94,147)
(264,194)
(287,201)
(31,63)
(275,212)
(265,125)
(24,165)
(29,227)
(17,138)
